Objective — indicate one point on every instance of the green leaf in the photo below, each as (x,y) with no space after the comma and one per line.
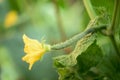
(67,74)
(107,4)
(70,60)
(109,66)
(104,9)
(90,58)
(80,63)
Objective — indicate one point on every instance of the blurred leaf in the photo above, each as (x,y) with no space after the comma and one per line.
(61,3)
(14,5)
(8,68)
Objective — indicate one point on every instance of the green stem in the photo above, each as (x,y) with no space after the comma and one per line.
(114,26)
(89,9)
(115,45)
(114,15)
(77,37)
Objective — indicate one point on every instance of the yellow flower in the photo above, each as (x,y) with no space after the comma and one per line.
(10,19)
(34,50)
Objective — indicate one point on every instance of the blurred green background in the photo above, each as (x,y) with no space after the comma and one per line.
(53,20)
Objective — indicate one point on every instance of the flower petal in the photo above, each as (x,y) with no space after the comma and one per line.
(34,51)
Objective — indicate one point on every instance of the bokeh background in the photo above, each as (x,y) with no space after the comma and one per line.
(52,20)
